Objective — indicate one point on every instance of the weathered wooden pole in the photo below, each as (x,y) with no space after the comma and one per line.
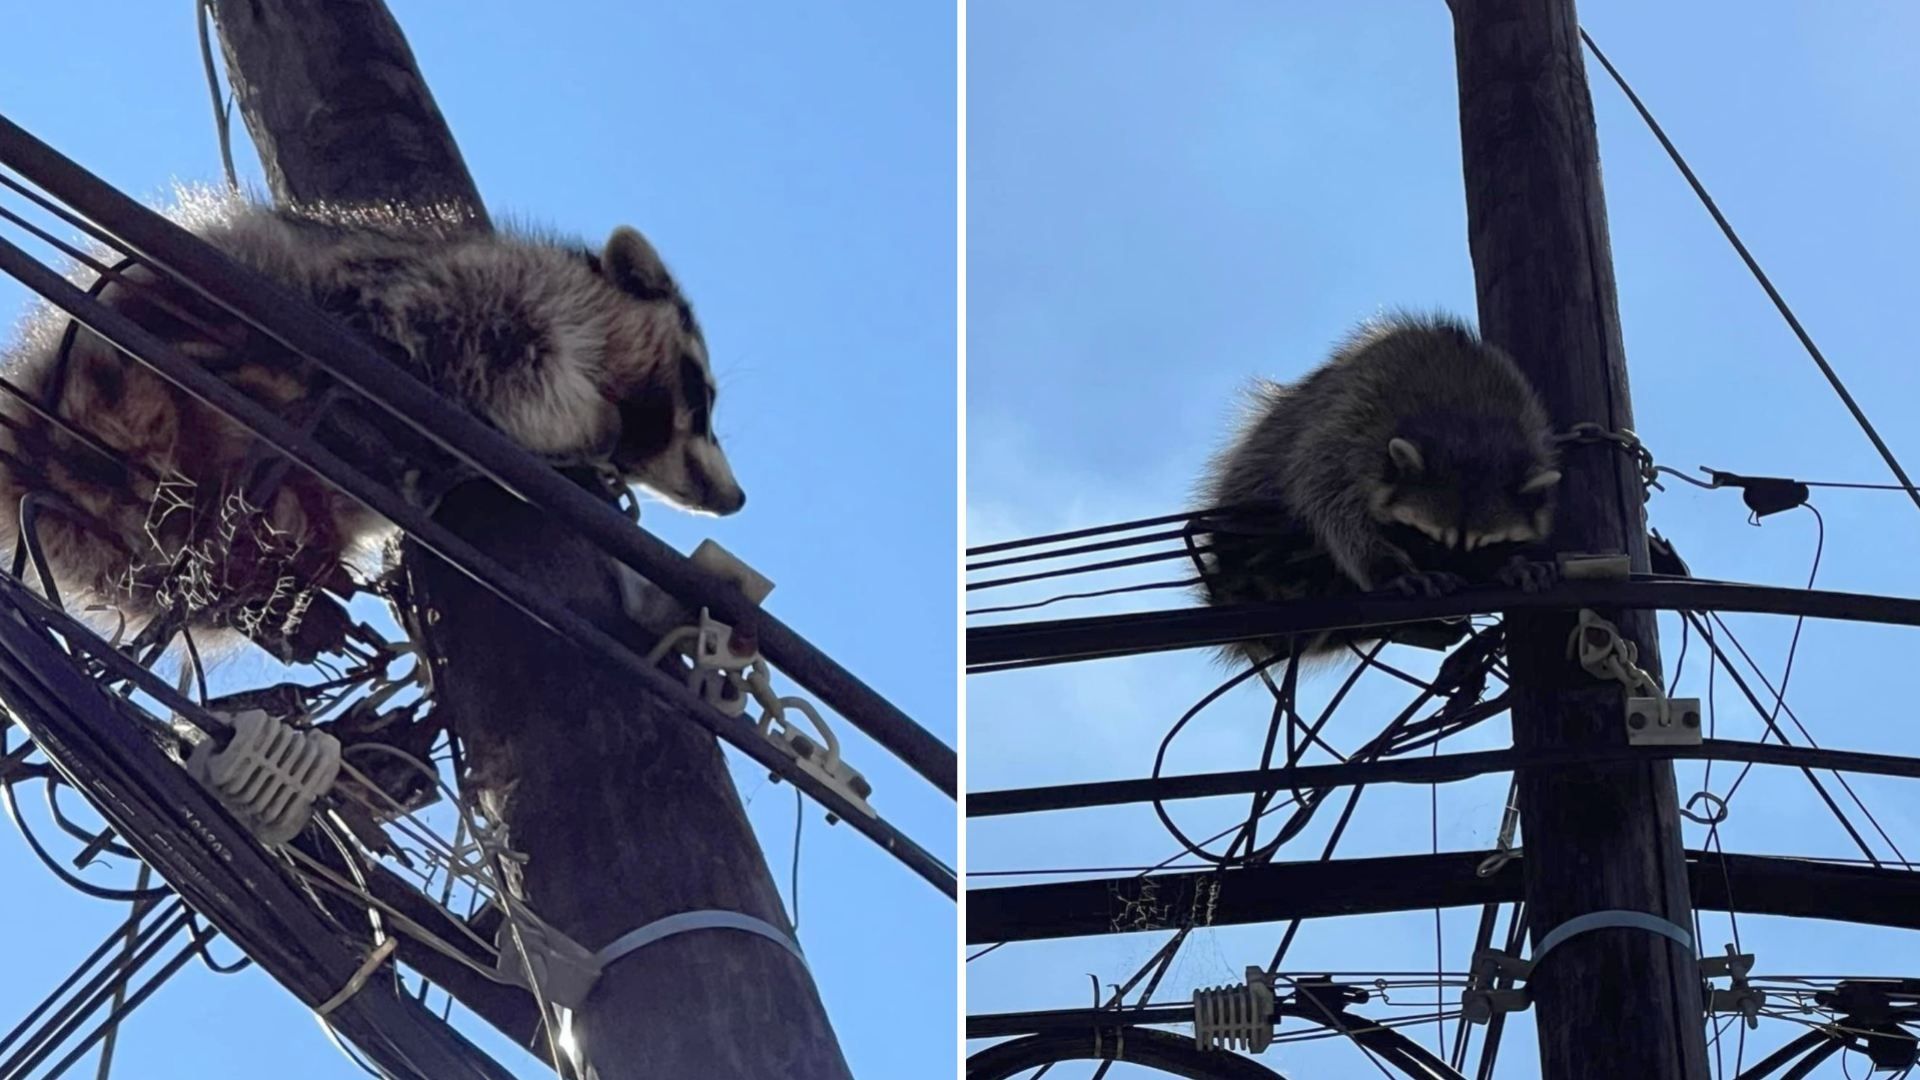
(1615,1002)
(626,813)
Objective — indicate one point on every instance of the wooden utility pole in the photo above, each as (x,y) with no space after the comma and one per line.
(626,812)
(1617,1002)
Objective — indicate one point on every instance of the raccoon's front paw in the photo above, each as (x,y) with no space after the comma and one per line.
(1431,584)
(1529,575)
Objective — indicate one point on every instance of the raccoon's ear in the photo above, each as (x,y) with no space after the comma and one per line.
(1405,457)
(634,267)
(1539,480)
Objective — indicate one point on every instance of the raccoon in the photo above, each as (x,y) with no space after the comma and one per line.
(1416,458)
(156,503)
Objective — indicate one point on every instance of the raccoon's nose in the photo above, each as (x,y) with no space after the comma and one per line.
(729,502)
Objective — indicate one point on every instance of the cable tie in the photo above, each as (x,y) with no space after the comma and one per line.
(1484,998)
(1609,919)
(688,921)
(374,959)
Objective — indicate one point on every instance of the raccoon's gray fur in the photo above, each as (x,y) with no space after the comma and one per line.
(583,356)
(1415,457)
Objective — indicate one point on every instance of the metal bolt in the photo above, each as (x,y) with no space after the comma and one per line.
(1690,718)
(1637,720)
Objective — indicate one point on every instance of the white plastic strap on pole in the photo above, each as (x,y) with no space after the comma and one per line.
(1602,920)
(685,921)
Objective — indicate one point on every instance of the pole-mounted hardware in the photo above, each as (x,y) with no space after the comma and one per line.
(269,775)
(729,672)
(1235,1017)
(1482,998)
(1652,718)
(1739,997)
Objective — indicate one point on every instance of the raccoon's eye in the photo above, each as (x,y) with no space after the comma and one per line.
(696,395)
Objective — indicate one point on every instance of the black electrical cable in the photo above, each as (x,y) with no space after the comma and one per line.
(94,993)
(97,841)
(1775,730)
(204,937)
(73,719)
(1791,715)
(120,1012)
(114,940)
(1085,568)
(98,892)
(1159,760)
(1283,714)
(1183,583)
(1326,853)
(1078,549)
(1095,530)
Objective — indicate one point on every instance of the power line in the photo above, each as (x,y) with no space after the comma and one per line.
(1759,275)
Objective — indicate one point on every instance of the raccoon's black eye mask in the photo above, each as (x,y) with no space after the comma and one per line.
(697,395)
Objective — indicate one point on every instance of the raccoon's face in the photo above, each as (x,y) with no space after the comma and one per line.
(1469,501)
(658,383)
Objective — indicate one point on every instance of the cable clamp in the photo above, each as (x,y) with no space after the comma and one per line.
(1740,997)
(818,758)
(1490,990)
(372,964)
(1652,718)
(567,971)
(1485,996)
(689,921)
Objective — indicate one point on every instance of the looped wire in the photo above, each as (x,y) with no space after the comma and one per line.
(1715,816)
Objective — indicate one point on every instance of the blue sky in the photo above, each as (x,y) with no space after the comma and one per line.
(796,167)
(1165,200)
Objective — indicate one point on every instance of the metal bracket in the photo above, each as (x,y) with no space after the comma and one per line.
(1482,1000)
(1661,721)
(1740,997)
(730,674)
(1651,717)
